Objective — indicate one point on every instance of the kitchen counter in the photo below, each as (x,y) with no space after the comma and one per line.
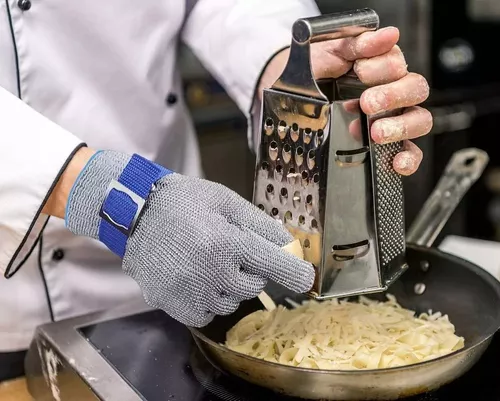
(14,390)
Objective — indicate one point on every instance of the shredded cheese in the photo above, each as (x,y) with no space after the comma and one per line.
(342,335)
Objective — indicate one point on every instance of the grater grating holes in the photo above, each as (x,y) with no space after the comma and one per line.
(290,157)
(389,210)
(282,129)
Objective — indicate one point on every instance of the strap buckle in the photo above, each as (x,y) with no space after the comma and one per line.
(136,199)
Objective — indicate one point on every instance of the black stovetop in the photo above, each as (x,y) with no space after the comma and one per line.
(157,356)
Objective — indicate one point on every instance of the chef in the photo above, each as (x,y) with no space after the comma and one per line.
(95,133)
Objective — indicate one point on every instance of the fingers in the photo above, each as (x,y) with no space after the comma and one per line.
(248,217)
(356,130)
(265,259)
(334,58)
(408,161)
(413,123)
(239,283)
(237,286)
(224,305)
(406,92)
(351,106)
(382,69)
(368,44)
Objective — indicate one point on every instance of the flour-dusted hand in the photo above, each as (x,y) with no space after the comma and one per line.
(198,249)
(379,63)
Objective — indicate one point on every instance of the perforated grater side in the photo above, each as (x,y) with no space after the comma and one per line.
(319,172)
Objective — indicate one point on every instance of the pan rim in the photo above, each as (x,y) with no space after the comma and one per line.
(195,332)
(478,270)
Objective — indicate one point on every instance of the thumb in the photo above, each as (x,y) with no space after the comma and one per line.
(333,58)
(327,64)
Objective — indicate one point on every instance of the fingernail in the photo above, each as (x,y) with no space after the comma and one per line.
(406,163)
(391,130)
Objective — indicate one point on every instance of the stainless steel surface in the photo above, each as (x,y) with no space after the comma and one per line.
(419,288)
(452,118)
(81,359)
(484,10)
(319,172)
(463,170)
(323,27)
(411,17)
(380,384)
(297,76)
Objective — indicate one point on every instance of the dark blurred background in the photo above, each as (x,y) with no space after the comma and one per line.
(452,44)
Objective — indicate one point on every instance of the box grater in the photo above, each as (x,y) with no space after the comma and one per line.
(319,172)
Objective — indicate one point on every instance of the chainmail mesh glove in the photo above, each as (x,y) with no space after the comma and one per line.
(198,248)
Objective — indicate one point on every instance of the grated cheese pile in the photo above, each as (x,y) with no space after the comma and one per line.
(342,335)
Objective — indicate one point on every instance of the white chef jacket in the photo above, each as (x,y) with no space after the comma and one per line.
(99,72)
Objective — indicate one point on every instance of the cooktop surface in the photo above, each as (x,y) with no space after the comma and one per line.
(158,358)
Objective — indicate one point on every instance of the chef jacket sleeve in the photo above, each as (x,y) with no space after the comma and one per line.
(235,40)
(33,153)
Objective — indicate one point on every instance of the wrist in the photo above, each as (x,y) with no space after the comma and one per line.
(88,191)
(107,198)
(273,70)
(58,199)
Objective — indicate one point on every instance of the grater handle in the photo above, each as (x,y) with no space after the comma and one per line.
(462,171)
(297,76)
(335,26)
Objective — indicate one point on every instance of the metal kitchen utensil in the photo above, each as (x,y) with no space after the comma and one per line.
(461,172)
(319,172)
(468,294)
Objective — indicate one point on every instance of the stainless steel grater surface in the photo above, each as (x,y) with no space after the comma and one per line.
(319,172)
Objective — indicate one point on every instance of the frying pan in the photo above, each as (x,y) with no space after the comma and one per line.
(435,280)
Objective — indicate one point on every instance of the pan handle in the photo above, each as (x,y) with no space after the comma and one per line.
(462,171)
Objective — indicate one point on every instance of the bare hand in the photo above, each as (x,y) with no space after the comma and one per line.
(380,64)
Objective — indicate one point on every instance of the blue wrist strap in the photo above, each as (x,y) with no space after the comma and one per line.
(125,200)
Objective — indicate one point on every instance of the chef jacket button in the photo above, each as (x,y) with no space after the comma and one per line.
(58,255)
(171,99)
(24,5)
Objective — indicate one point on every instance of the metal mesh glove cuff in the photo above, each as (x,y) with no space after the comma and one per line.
(198,249)
(89,191)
